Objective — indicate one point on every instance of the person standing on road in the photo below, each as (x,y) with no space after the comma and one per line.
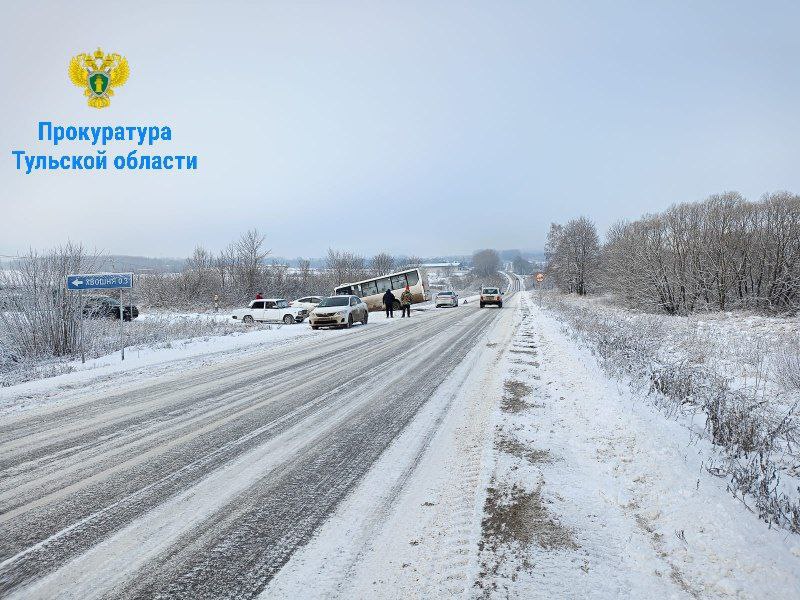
(405,301)
(388,302)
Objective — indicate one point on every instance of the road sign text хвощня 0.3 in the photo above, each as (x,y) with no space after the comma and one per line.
(100,281)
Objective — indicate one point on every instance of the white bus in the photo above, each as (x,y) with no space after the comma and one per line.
(372,290)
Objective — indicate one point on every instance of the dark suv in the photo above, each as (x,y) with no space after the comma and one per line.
(103,307)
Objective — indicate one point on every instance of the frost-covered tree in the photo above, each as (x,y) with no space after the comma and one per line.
(382,263)
(486,263)
(573,256)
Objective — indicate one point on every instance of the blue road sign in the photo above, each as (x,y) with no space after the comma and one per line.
(100,281)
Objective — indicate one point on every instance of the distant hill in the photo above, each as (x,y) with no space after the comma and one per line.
(122,262)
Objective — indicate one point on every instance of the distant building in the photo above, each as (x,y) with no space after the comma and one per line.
(441,265)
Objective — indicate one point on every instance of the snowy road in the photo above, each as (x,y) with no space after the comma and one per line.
(204,483)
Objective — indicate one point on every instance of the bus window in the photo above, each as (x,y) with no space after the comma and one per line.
(383,285)
(398,282)
(413,277)
(368,289)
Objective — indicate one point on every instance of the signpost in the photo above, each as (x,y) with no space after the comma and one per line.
(539,280)
(102,281)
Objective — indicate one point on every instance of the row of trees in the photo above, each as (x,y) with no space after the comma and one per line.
(722,253)
(241,270)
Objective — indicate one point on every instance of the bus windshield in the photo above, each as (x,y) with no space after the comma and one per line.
(335,301)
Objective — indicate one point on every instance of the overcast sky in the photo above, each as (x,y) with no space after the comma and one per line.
(420,128)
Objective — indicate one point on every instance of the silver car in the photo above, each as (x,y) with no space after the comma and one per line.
(446,299)
(339,311)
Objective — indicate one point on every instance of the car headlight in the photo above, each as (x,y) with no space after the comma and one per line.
(341,313)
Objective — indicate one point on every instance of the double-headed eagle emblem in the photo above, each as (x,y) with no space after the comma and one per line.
(98,74)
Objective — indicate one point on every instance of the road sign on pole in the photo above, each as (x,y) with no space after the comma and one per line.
(102,281)
(539,277)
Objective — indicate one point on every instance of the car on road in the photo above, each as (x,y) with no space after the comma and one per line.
(446,298)
(491,295)
(271,310)
(106,307)
(307,302)
(339,311)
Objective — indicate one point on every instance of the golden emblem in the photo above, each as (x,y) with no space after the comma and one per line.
(98,74)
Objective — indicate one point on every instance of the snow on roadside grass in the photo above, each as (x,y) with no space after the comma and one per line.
(594,493)
(162,342)
(722,373)
(153,330)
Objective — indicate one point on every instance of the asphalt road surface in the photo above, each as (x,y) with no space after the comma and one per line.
(202,484)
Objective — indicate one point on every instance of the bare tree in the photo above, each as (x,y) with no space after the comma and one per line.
(249,267)
(382,263)
(486,263)
(573,253)
(521,266)
(344,267)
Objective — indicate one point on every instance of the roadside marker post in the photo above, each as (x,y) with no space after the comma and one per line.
(102,281)
(539,280)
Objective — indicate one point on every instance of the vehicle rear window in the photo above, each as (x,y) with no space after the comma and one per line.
(490,291)
(337,301)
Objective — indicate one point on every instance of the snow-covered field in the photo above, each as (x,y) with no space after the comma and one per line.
(739,345)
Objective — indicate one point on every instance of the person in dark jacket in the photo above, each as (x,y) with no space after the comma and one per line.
(388,302)
(405,301)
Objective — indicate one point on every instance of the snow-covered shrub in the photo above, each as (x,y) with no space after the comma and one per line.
(39,316)
(102,338)
(753,420)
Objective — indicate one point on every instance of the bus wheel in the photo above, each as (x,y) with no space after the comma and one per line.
(396,305)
